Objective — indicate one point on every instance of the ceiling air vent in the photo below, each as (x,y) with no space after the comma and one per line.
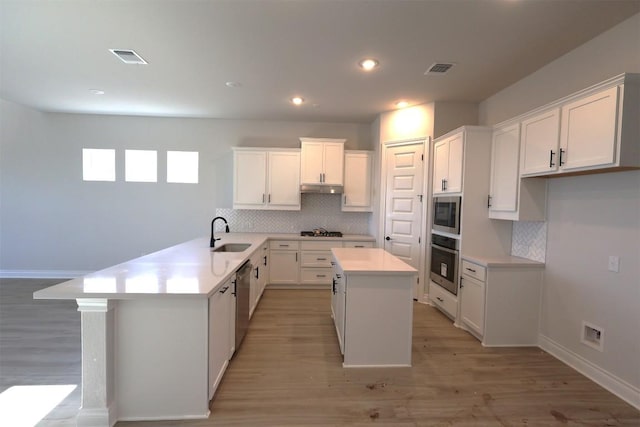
(128,56)
(438,69)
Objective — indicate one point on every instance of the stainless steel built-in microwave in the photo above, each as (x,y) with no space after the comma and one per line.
(446,214)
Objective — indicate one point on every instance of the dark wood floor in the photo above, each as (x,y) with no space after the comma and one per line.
(288,372)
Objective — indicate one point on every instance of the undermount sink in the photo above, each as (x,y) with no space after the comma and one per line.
(232,247)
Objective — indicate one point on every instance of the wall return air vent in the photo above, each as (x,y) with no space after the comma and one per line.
(439,68)
(128,56)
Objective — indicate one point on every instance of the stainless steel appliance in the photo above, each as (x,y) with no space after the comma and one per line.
(444,262)
(446,214)
(242,289)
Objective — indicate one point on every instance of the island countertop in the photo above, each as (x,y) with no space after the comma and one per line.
(189,269)
(370,260)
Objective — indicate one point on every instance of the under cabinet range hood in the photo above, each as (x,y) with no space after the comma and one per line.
(321,188)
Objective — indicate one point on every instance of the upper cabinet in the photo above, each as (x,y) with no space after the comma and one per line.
(592,131)
(358,168)
(266,179)
(322,161)
(511,197)
(447,164)
(540,140)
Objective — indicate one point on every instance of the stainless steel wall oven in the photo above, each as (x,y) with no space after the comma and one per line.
(444,262)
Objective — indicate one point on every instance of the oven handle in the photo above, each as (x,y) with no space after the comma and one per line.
(442,248)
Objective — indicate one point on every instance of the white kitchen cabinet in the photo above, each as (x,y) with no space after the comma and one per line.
(511,197)
(588,131)
(266,179)
(358,169)
(284,262)
(472,298)
(315,266)
(539,140)
(500,300)
(221,333)
(443,299)
(594,130)
(447,164)
(322,161)
(357,244)
(338,302)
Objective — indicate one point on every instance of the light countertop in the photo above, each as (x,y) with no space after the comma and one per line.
(370,260)
(503,261)
(190,269)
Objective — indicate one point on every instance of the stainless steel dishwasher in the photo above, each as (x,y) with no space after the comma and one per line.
(242,289)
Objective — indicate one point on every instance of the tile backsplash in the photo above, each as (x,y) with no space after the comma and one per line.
(529,240)
(317,210)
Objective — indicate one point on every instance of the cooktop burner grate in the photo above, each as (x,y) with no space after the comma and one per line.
(321,233)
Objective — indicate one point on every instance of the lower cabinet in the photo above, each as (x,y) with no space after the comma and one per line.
(221,333)
(500,300)
(284,263)
(443,299)
(315,267)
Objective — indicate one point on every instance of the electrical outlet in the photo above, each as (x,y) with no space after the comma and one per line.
(614,263)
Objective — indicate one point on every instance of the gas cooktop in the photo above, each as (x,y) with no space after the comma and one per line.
(321,233)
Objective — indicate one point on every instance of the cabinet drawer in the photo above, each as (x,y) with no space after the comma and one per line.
(284,245)
(316,259)
(316,276)
(320,246)
(443,299)
(473,270)
(358,244)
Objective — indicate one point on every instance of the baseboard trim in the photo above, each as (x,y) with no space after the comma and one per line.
(615,385)
(42,274)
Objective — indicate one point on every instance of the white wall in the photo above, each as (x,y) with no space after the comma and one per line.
(51,220)
(589,217)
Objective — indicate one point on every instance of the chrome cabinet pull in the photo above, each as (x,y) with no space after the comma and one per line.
(561,152)
(321,259)
(471,269)
(489,201)
(551,154)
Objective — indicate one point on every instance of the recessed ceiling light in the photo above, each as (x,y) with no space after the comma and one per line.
(402,104)
(233,84)
(296,100)
(368,64)
(96,91)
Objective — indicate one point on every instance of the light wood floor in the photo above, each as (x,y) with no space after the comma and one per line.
(288,372)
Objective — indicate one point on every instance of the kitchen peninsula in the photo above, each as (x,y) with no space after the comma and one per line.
(157,331)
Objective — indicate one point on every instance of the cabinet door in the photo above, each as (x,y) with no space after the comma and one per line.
(219,335)
(588,131)
(357,182)
(249,179)
(283,267)
(472,304)
(333,163)
(453,182)
(311,164)
(505,151)
(539,141)
(341,296)
(440,165)
(284,180)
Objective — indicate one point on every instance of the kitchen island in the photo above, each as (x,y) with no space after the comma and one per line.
(157,331)
(372,307)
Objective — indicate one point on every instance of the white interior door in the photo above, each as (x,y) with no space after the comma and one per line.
(403,203)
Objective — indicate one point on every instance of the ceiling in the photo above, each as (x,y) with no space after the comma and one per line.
(54,52)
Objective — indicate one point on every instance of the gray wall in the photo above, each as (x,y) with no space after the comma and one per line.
(589,217)
(51,220)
